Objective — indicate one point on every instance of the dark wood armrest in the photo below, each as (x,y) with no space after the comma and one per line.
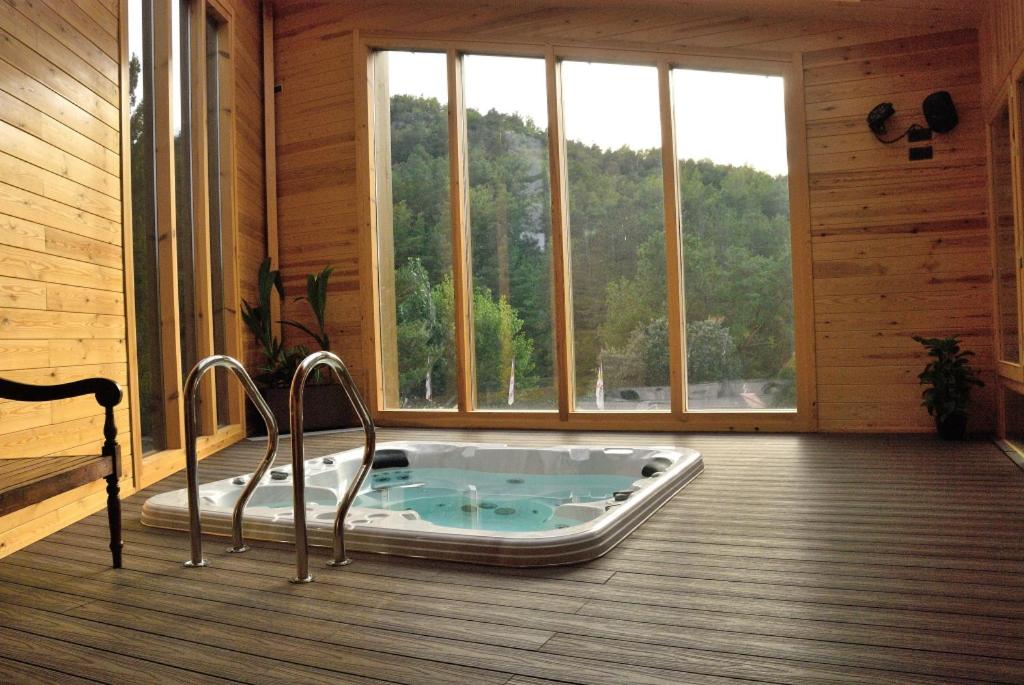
(106,391)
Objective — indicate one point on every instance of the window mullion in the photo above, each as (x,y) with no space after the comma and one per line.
(673,244)
(163,91)
(460,236)
(559,239)
(1017,175)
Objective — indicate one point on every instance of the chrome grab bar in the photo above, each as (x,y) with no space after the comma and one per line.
(192,461)
(343,377)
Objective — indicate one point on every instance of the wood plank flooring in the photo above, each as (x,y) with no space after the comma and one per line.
(792,559)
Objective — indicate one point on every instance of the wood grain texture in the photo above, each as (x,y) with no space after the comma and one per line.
(62,312)
(902,245)
(1001,34)
(795,559)
(899,247)
(62,270)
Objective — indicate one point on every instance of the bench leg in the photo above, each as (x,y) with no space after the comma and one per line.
(114,519)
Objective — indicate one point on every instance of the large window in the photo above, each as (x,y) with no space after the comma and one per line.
(181,208)
(417,288)
(734,191)
(218,172)
(548,212)
(616,236)
(181,112)
(510,232)
(142,129)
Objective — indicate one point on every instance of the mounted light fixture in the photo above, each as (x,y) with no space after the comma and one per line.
(939,111)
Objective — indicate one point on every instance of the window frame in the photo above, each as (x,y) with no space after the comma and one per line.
(466,415)
(151,467)
(1009,99)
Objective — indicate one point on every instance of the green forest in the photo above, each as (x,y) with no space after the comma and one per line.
(737,266)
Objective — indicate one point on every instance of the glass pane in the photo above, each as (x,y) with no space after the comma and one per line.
(734,192)
(145,258)
(1006,253)
(217,256)
(510,227)
(616,236)
(181,112)
(1013,407)
(414,230)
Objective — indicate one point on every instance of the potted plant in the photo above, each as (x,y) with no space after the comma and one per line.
(951,378)
(326,405)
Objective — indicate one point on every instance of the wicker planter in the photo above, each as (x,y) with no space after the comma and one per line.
(325,408)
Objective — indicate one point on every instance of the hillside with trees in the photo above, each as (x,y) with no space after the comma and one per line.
(738,286)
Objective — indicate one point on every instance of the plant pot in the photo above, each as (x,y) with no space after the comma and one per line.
(953,427)
(326,407)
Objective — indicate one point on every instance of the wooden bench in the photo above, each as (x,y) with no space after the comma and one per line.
(27,481)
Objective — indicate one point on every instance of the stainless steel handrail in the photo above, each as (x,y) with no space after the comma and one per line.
(192,461)
(341,373)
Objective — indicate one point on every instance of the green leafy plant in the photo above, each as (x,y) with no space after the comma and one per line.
(950,376)
(316,296)
(280,362)
(258,318)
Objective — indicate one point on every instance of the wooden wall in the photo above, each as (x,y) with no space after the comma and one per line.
(249,150)
(61,287)
(1002,41)
(899,247)
(62,311)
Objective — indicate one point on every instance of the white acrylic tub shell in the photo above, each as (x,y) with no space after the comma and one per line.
(602,525)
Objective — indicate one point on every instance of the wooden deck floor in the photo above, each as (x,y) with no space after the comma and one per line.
(793,559)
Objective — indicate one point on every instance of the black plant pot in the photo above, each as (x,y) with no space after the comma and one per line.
(953,427)
(326,407)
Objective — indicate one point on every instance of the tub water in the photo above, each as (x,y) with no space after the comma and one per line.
(482,503)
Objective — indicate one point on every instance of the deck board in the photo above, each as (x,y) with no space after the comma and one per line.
(792,559)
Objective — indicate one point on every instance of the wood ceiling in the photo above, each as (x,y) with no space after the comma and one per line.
(773,25)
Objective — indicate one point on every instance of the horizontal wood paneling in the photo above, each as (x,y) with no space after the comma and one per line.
(62,314)
(62,304)
(900,248)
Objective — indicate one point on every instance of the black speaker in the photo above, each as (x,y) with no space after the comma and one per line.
(940,112)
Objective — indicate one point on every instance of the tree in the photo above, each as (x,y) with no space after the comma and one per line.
(735,233)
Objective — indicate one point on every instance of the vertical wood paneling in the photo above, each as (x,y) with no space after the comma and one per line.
(1001,38)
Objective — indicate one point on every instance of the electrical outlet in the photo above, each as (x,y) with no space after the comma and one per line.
(919,134)
(919,153)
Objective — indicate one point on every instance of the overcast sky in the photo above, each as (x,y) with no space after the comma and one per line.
(736,119)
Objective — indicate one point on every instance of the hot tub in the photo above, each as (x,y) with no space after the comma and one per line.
(480,503)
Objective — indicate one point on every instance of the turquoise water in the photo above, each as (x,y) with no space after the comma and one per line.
(505,502)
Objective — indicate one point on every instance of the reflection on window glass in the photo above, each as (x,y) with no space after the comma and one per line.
(1006,253)
(181,113)
(734,192)
(145,257)
(217,255)
(510,228)
(616,236)
(414,230)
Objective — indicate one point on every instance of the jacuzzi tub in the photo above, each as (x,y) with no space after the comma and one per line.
(481,503)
